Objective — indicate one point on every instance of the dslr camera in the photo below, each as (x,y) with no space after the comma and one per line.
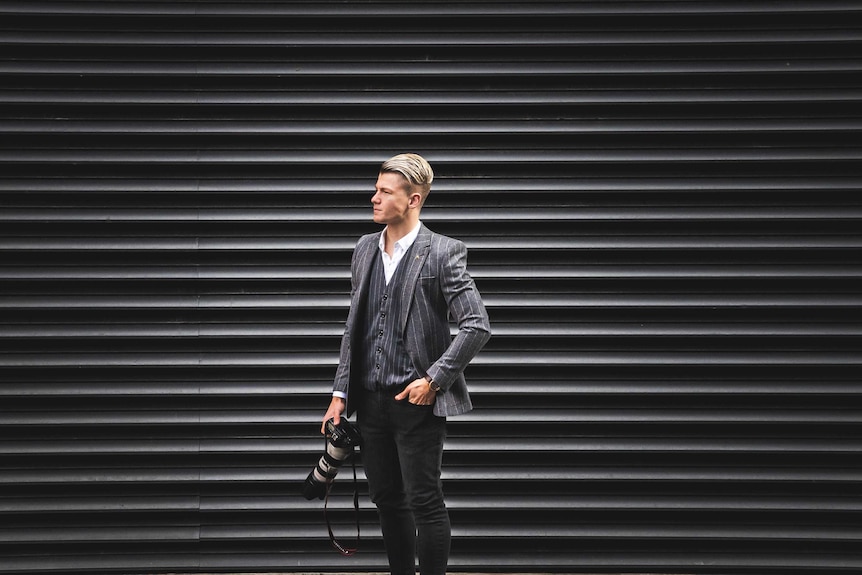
(341,439)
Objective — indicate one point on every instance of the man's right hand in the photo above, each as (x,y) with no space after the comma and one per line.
(336,408)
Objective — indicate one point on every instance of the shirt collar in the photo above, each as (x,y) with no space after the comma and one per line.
(405,242)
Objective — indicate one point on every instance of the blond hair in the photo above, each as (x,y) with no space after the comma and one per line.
(415,169)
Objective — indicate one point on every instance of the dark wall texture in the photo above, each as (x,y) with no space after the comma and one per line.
(662,205)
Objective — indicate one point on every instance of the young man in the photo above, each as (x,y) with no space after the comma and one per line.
(400,369)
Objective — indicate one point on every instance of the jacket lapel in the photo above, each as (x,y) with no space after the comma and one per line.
(365,252)
(418,255)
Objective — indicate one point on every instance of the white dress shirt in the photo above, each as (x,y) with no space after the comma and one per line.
(390,264)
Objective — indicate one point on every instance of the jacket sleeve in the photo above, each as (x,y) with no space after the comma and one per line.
(466,309)
(342,373)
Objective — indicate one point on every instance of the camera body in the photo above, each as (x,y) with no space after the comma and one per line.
(341,440)
(344,435)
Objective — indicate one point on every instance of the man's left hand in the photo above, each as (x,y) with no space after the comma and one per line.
(418,393)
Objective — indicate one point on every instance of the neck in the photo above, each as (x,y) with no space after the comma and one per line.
(393,233)
(398,231)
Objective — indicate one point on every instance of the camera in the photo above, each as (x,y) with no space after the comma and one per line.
(341,439)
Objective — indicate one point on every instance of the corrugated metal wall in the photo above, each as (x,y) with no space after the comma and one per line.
(662,205)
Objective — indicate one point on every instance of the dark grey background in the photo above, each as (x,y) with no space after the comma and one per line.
(661,202)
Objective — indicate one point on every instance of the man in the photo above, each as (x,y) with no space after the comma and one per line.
(400,368)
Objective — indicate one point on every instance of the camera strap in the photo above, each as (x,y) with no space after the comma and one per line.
(346,551)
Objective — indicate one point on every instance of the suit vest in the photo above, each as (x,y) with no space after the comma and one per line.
(385,361)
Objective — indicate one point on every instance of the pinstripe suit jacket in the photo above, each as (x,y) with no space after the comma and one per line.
(436,287)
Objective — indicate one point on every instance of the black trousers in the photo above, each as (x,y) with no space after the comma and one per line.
(402,451)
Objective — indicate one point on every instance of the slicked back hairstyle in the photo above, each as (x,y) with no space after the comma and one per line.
(415,170)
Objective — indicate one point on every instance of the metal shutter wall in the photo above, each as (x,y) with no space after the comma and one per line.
(661,201)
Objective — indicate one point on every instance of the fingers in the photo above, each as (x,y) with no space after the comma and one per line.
(417,393)
(407,393)
(334,413)
(336,419)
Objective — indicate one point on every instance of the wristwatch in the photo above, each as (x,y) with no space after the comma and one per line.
(431,384)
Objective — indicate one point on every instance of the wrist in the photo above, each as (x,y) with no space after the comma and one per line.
(433,386)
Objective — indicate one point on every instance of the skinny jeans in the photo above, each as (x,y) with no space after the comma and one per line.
(402,452)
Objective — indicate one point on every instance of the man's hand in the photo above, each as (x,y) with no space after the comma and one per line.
(418,393)
(336,408)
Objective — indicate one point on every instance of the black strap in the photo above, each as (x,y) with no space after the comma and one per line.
(346,551)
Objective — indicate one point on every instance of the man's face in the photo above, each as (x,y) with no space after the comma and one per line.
(390,201)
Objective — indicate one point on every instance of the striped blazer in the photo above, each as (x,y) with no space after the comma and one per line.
(436,287)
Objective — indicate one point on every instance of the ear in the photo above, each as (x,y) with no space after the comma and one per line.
(415,200)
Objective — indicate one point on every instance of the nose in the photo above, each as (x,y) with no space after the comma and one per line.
(375,199)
